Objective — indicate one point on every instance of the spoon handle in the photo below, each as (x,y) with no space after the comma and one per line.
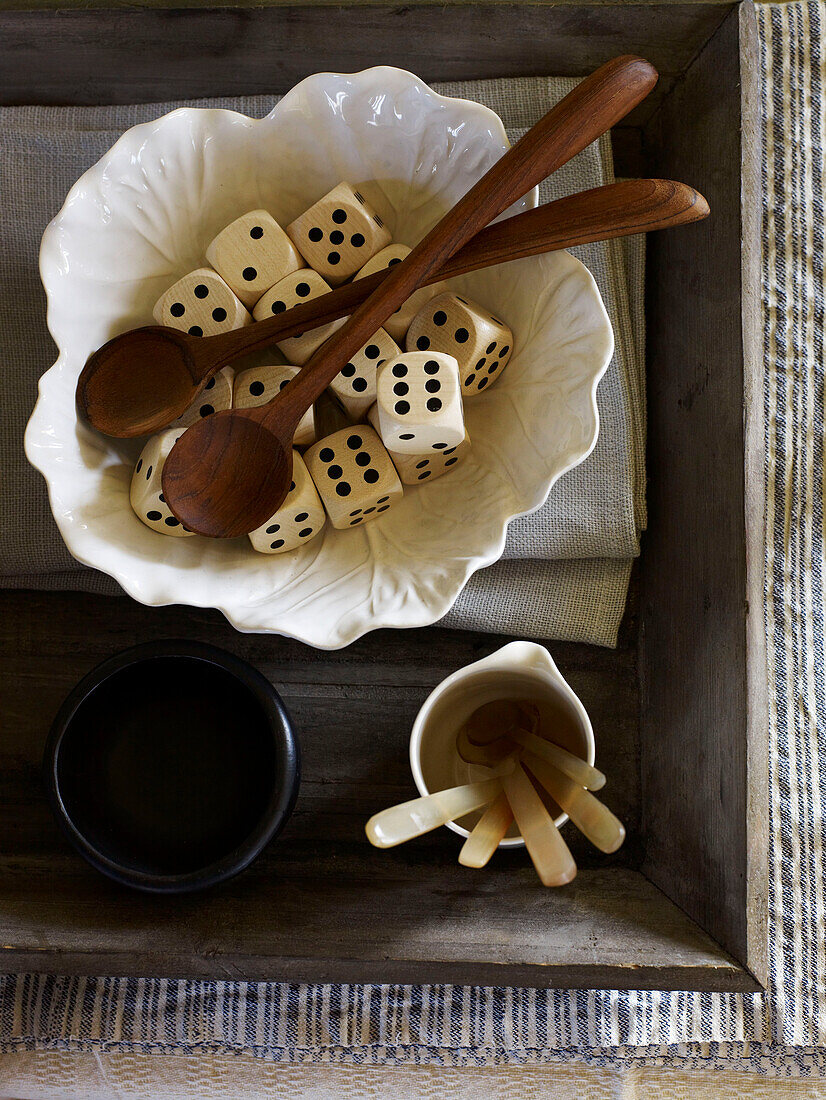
(592,817)
(614,210)
(399,823)
(580,771)
(487,833)
(550,854)
(583,115)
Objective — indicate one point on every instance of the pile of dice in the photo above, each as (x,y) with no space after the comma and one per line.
(406,407)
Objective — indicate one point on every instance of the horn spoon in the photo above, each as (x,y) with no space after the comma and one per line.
(143,380)
(231,471)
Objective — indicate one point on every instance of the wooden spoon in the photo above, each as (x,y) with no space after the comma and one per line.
(140,381)
(231,471)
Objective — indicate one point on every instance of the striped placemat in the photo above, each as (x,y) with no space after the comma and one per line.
(778,1032)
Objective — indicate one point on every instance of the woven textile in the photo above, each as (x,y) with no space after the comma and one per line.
(574,554)
(781,1032)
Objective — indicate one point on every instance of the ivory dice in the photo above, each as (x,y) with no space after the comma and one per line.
(145,493)
(202,304)
(339,233)
(252,254)
(417,469)
(398,324)
(419,403)
(214,397)
(481,343)
(354,476)
(258,385)
(300,286)
(355,386)
(299,519)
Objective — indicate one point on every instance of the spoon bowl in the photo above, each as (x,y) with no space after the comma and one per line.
(247,493)
(122,401)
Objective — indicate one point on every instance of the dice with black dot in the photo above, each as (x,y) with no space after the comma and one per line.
(355,386)
(299,519)
(252,253)
(201,304)
(214,397)
(421,468)
(339,233)
(481,343)
(398,324)
(258,385)
(354,476)
(300,286)
(145,492)
(419,403)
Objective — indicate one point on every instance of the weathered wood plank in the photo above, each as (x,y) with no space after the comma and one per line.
(694,612)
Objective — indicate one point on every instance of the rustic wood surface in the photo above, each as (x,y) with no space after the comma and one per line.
(694,607)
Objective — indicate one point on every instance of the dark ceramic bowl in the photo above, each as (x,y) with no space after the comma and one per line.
(171,766)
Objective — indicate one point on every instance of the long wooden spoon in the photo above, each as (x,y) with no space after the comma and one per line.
(230,472)
(140,381)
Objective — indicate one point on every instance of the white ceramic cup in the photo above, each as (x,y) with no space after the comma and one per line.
(520,670)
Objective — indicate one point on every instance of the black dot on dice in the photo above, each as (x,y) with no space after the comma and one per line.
(326,454)
(384,509)
(349,370)
(277,544)
(450,461)
(357,240)
(343,489)
(504,351)
(482,383)
(273,528)
(162,498)
(339,216)
(407,435)
(154,516)
(201,291)
(431,367)
(421,477)
(256,232)
(196,330)
(357,512)
(423,343)
(439,446)
(353,522)
(206,410)
(395,260)
(315,234)
(333,258)
(490,348)
(292,486)
(471,378)
(367,511)
(336,237)
(354,442)
(302,516)
(249,273)
(434,404)
(362,458)
(302,290)
(440,317)
(304,532)
(170,521)
(256,389)
(421,465)
(433,385)
(148,473)
(281,386)
(461,335)
(493,368)
(219,314)
(177,309)
(381,500)
(402,407)
(450,452)
(371,351)
(359,385)
(480,364)
(138,467)
(464,303)
(334,472)
(401,389)
(400,370)
(278,307)
(210,384)
(371,476)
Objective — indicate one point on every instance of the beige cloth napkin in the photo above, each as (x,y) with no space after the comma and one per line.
(565,569)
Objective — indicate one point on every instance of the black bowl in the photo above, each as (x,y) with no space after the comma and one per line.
(171,766)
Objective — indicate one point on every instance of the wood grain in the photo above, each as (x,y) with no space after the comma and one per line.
(694,614)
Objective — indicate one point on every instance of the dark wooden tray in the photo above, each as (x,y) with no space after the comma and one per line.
(679,709)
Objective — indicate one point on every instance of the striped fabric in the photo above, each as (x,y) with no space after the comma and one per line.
(779,1032)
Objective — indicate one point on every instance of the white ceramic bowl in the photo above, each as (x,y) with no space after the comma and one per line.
(142,217)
